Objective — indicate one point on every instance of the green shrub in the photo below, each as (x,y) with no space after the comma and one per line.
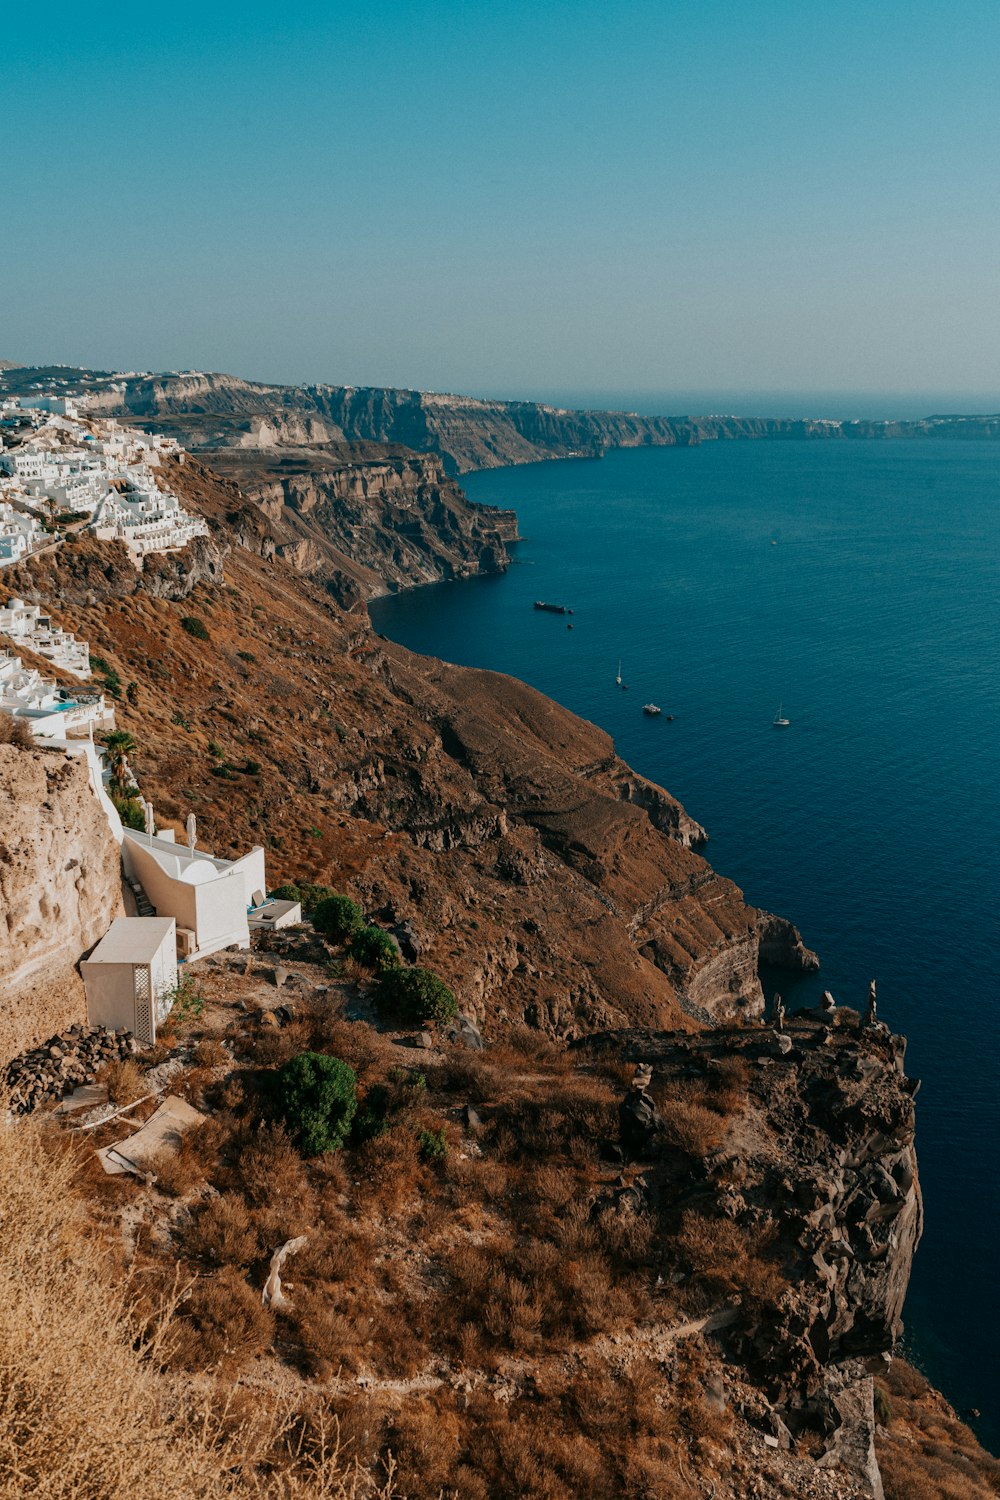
(317,1097)
(129,811)
(306,894)
(883,1406)
(417,994)
(106,675)
(187,1001)
(337,918)
(246,656)
(432,1145)
(214,748)
(195,627)
(251,768)
(373,948)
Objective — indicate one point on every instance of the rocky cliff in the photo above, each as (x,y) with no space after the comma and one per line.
(60,888)
(213,411)
(817,1168)
(511,850)
(385,519)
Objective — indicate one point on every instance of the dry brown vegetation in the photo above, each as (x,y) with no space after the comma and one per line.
(498,1321)
(86,1409)
(126,1081)
(16,732)
(507,1260)
(924,1451)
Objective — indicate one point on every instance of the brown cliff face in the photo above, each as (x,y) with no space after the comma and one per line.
(388,519)
(60,889)
(540,876)
(211,411)
(816,1170)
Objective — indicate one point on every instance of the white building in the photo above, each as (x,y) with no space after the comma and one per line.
(30,627)
(61,406)
(208,898)
(50,712)
(144,517)
(94,469)
(131,976)
(19,534)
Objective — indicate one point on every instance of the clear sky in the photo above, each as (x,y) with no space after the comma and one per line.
(716,196)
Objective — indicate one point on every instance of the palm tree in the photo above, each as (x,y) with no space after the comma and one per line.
(119,745)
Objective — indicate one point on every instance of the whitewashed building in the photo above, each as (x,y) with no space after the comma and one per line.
(49,711)
(208,898)
(131,976)
(144,517)
(31,627)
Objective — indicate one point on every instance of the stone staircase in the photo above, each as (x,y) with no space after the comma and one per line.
(144,906)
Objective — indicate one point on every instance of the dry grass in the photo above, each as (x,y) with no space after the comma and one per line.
(16,732)
(86,1412)
(126,1081)
(925,1452)
(210,1053)
(727,1260)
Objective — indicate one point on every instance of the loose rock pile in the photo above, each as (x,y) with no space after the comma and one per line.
(61,1064)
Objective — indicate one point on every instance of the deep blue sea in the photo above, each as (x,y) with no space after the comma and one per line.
(858,584)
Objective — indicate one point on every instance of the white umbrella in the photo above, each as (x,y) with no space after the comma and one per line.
(150,819)
(191,831)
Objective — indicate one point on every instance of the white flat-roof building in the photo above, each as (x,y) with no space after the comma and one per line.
(208,898)
(62,406)
(131,976)
(50,712)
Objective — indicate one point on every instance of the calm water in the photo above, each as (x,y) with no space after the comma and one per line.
(857,583)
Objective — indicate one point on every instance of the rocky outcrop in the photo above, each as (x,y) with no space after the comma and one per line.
(817,1169)
(60,888)
(388,521)
(84,571)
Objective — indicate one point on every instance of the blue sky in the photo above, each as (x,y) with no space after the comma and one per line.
(592,198)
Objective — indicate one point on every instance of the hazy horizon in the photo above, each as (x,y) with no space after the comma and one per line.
(643,197)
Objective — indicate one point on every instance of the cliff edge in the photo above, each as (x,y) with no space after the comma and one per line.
(60,889)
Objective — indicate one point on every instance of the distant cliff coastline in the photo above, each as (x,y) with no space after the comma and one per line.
(216,411)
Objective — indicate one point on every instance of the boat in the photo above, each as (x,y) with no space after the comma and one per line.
(780,722)
(651,709)
(553,609)
(618,679)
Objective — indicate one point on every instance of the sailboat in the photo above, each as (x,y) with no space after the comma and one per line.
(618,679)
(780,722)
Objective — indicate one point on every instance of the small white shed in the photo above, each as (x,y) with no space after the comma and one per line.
(130,974)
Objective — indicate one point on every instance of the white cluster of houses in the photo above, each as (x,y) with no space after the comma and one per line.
(53,463)
(20,533)
(27,625)
(50,712)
